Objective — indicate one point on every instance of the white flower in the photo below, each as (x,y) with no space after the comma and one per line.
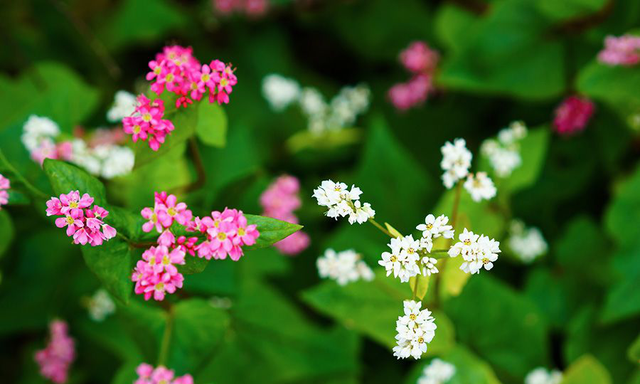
(280,91)
(504,154)
(36,129)
(437,372)
(107,160)
(542,376)
(344,267)
(312,102)
(100,305)
(124,105)
(478,251)
(456,161)
(415,330)
(435,227)
(480,186)
(343,202)
(527,243)
(402,261)
(347,105)
(118,162)
(429,266)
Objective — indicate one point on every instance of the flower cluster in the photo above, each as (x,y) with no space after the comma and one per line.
(39,137)
(526,243)
(279,201)
(344,267)
(504,152)
(56,358)
(421,61)
(437,372)
(5,184)
(160,375)
(456,161)
(100,305)
(415,330)
(343,202)
(623,50)
(84,224)
(147,123)
(252,8)
(124,104)
(342,111)
(541,375)
(478,251)
(157,274)
(226,233)
(573,115)
(480,186)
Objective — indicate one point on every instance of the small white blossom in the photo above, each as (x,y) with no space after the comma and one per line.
(415,330)
(343,267)
(429,266)
(403,259)
(100,305)
(478,251)
(343,202)
(124,105)
(36,129)
(280,91)
(312,102)
(437,372)
(480,186)
(526,243)
(435,227)
(504,153)
(456,161)
(347,105)
(542,376)
(105,160)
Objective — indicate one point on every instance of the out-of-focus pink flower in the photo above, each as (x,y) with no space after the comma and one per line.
(572,115)
(56,358)
(252,8)
(419,58)
(160,375)
(5,184)
(408,95)
(623,50)
(294,243)
(47,149)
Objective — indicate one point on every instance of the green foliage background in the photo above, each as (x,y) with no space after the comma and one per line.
(577,309)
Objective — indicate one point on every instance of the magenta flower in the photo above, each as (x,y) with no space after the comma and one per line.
(419,58)
(405,96)
(156,274)
(623,50)
(73,220)
(56,358)
(294,243)
(5,184)
(74,203)
(572,115)
(147,122)
(160,375)
(174,211)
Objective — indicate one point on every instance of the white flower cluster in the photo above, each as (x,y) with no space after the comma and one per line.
(542,376)
(415,330)
(504,153)
(343,202)
(105,160)
(344,267)
(409,257)
(437,372)
(100,305)
(478,251)
(124,104)
(38,131)
(340,112)
(456,161)
(526,243)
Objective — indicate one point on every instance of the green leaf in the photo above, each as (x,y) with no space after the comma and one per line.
(126,374)
(624,210)
(634,351)
(569,9)
(469,368)
(193,265)
(419,285)
(66,177)
(212,124)
(613,84)
(328,140)
(7,231)
(112,262)
(533,150)
(452,278)
(586,370)
(271,230)
(623,296)
(392,230)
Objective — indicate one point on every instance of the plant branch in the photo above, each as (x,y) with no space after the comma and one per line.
(380,227)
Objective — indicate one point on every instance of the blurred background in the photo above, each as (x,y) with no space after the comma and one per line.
(500,61)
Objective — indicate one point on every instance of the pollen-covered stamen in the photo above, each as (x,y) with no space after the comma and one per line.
(172,211)
(222,236)
(241,231)
(70,220)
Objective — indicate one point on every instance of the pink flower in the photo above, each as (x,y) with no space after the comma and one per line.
(174,211)
(623,50)
(73,220)
(404,96)
(187,244)
(419,58)
(147,122)
(160,375)
(5,184)
(294,243)
(56,358)
(152,216)
(573,115)
(156,274)
(73,202)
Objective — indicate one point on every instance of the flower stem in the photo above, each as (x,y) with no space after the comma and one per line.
(456,203)
(200,170)
(166,338)
(380,227)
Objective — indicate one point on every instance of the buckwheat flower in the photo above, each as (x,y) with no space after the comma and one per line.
(623,50)
(573,115)
(402,261)
(56,358)
(413,93)
(226,232)
(343,202)
(5,184)
(280,91)
(156,274)
(480,186)
(173,211)
(419,58)
(152,216)
(293,244)
(416,328)
(124,104)
(311,102)
(114,160)
(429,266)
(541,375)
(526,243)
(36,129)
(281,198)
(435,227)
(73,220)
(437,372)
(347,105)
(456,161)
(100,306)
(343,267)
(147,123)
(147,374)
(478,251)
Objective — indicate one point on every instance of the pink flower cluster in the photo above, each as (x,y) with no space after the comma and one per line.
(56,358)
(623,50)
(223,234)
(84,224)
(421,61)
(279,201)
(47,149)
(160,375)
(252,8)
(5,184)
(147,122)
(572,115)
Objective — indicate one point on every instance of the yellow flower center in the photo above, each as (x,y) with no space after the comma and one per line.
(160,287)
(241,231)
(467,242)
(224,82)
(393,258)
(172,211)
(222,236)
(420,339)
(70,220)
(137,129)
(169,77)
(165,260)
(205,77)
(411,251)
(73,204)
(146,117)
(429,226)
(157,70)
(154,218)
(412,316)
